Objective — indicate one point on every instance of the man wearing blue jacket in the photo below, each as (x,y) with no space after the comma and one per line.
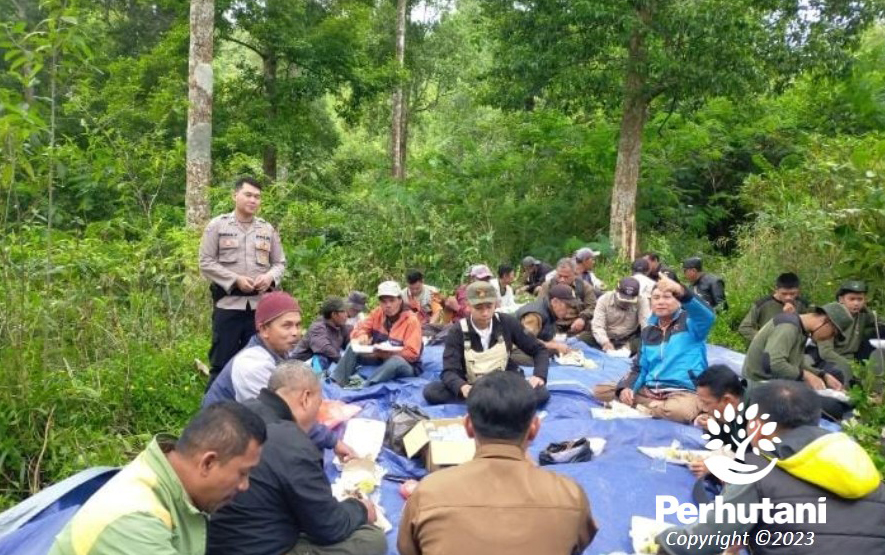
(672,356)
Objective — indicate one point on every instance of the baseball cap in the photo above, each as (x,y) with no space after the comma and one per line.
(628,290)
(273,305)
(838,315)
(562,292)
(480,292)
(693,263)
(389,289)
(481,271)
(585,253)
(852,286)
(640,266)
(357,300)
(530,261)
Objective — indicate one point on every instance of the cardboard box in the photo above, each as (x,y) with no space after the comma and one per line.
(439,453)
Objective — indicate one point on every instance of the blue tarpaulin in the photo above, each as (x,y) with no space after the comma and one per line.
(620,483)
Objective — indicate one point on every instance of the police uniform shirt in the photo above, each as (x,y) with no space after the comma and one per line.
(230,249)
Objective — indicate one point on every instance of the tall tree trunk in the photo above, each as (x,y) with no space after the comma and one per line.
(404,133)
(199,113)
(270,90)
(398,124)
(622,226)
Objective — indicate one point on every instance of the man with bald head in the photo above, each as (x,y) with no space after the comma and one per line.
(290,507)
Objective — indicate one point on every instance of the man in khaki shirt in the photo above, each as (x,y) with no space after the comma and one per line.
(242,256)
(500,502)
(619,316)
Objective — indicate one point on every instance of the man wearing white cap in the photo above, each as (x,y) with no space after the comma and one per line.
(395,332)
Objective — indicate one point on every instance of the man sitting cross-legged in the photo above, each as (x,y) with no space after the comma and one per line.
(672,356)
(392,325)
(326,336)
(481,344)
(619,316)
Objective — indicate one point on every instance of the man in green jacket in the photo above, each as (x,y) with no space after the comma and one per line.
(838,353)
(159,502)
(784,299)
(778,349)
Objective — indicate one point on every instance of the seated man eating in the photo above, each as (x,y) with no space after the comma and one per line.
(394,331)
(672,356)
(290,507)
(481,344)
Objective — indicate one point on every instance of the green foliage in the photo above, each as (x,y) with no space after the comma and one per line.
(104,313)
(98,356)
(868,424)
(682,51)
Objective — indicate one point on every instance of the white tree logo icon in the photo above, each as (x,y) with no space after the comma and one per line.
(734,426)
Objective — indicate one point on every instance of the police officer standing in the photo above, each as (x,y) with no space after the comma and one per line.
(242,256)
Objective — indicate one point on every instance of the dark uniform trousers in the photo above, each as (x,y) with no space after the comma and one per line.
(231,330)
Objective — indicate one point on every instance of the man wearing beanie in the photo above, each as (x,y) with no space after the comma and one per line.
(278,320)
(242,256)
(482,343)
(395,333)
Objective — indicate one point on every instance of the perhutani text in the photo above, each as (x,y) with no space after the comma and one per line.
(720,512)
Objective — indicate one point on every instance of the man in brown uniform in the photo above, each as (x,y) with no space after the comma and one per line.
(242,256)
(470,509)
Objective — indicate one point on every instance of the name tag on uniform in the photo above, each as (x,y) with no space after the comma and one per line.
(262,252)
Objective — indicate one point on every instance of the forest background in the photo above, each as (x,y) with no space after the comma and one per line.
(761,125)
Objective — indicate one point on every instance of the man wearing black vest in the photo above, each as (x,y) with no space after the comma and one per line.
(483,343)
(576,322)
(813,464)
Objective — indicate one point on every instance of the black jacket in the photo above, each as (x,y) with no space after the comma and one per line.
(852,525)
(289,494)
(711,289)
(504,326)
(537,278)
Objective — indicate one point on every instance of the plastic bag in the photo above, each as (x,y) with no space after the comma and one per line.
(333,413)
(401,421)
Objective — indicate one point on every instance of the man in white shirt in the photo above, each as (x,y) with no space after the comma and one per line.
(585,259)
(641,269)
